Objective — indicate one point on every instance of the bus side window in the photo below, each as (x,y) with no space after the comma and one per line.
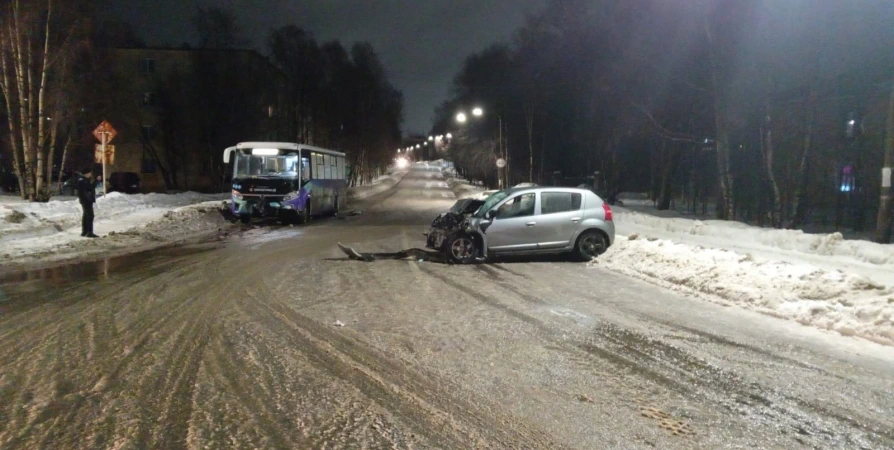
(341,168)
(327,167)
(318,167)
(305,169)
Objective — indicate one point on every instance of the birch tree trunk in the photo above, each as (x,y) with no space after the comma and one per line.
(721,138)
(798,207)
(31,47)
(767,152)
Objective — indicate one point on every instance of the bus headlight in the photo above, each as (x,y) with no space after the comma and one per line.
(289,197)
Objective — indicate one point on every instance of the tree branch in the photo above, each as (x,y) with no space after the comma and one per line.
(664,132)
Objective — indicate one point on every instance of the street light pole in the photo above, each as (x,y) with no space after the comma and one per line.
(502,154)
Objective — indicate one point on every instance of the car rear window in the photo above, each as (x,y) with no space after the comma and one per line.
(558,202)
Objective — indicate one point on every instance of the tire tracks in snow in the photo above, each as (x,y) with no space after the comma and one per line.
(679,372)
(418,400)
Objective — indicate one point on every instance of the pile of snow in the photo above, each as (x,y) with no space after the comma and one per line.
(35,229)
(462,188)
(378,185)
(847,303)
(827,251)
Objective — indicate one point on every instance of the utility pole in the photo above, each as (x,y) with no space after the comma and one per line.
(885,218)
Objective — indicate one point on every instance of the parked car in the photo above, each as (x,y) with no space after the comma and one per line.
(534,220)
(451,221)
(69,186)
(126,182)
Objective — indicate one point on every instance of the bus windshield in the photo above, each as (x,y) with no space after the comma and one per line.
(280,166)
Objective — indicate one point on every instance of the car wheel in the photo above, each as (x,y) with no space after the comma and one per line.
(589,245)
(460,248)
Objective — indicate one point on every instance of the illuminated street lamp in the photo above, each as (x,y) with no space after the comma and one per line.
(431,138)
(461,117)
(449,135)
(477,112)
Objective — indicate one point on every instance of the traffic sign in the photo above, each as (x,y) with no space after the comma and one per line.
(501,163)
(110,154)
(105,129)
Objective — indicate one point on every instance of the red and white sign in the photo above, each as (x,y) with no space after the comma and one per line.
(105,129)
(110,154)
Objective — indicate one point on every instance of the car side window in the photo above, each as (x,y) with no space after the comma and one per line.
(520,206)
(559,202)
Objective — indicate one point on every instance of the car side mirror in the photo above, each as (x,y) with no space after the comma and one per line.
(490,215)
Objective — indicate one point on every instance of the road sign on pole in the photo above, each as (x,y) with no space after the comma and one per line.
(105,132)
(501,163)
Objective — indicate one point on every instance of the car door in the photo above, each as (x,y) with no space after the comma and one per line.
(558,219)
(513,228)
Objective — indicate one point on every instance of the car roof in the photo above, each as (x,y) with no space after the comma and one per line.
(549,189)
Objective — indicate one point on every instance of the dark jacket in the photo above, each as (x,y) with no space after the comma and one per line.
(86,190)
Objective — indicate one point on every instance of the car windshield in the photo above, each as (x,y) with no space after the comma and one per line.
(490,202)
(280,166)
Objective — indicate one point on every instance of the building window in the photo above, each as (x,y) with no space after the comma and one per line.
(147,132)
(147,65)
(147,99)
(148,165)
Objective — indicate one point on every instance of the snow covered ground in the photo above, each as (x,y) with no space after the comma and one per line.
(51,231)
(379,185)
(820,280)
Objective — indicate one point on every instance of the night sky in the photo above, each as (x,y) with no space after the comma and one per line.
(422,43)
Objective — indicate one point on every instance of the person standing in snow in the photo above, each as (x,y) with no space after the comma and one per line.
(86,188)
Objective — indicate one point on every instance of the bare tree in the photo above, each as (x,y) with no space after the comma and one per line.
(36,37)
(885,218)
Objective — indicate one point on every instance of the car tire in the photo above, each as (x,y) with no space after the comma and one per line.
(460,248)
(590,244)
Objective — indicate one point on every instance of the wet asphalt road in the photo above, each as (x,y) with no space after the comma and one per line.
(272,339)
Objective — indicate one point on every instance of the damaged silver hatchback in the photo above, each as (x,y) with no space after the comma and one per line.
(532,220)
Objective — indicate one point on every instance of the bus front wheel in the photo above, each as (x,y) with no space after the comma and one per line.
(304,215)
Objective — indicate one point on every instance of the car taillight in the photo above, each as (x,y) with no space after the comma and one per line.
(608,212)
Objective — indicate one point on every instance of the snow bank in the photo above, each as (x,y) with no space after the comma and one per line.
(379,185)
(827,251)
(847,303)
(29,230)
(462,188)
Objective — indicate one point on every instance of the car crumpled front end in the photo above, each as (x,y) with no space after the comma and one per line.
(443,226)
(449,223)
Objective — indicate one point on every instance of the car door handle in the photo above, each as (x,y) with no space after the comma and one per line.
(531,224)
(576,220)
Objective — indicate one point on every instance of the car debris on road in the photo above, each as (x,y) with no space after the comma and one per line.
(418,254)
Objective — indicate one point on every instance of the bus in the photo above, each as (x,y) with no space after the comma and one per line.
(289,181)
